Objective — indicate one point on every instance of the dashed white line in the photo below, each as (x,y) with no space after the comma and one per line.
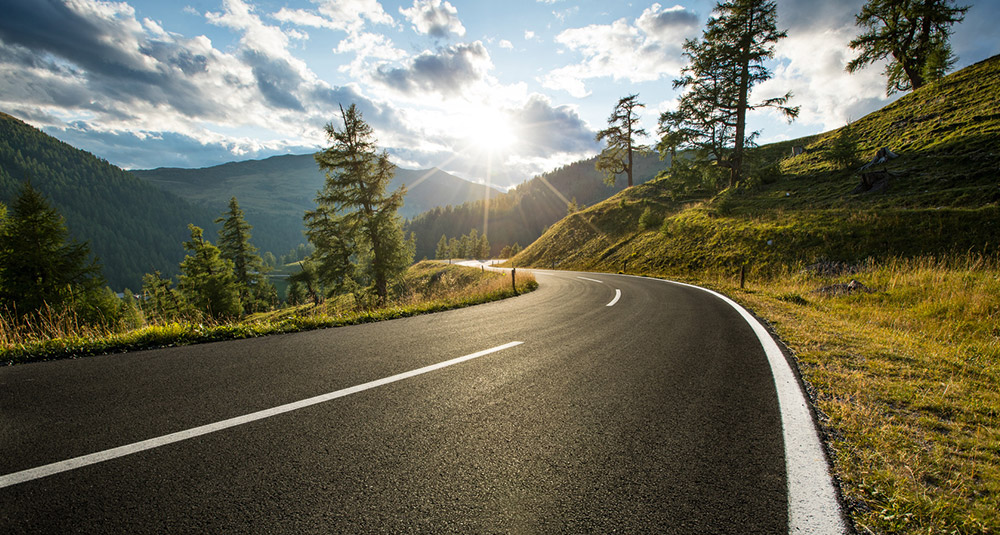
(618,295)
(121,451)
(591,280)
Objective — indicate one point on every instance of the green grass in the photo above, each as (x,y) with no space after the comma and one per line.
(427,287)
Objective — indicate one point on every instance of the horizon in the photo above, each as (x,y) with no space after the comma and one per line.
(469,88)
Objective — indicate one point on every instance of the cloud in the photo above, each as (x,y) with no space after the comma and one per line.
(436,18)
(132,150)
(547,129)
(506,44)
(344,15)
(445,72)
(644,51)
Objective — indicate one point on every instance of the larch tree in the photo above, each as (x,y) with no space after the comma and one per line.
(248,267)
(620,135)
(355,226)
(912,35)
(724,66)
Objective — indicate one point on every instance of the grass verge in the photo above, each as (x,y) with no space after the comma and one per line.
(427,287)
(906,380)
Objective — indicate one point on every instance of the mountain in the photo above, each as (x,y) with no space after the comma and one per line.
(132,226)
(941,197)
(522,214)
(276,192)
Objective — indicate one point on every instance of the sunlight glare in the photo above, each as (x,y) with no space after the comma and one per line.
(490,130)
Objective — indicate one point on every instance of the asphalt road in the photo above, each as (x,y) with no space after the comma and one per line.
(657,414)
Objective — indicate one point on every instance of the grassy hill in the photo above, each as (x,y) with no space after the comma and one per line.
(942,197)
(903,375)
(522,214)
(133,227)
(276,192)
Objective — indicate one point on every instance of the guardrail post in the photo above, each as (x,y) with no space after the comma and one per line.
(513,279)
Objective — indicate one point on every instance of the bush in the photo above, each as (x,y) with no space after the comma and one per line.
(649,219)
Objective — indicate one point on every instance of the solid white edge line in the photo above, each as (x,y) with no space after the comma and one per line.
(121,451)
(618,295)
(591,280)
(812,501)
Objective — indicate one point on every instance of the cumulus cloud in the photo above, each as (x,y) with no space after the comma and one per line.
(642,51)
(85,68)
(506,44)
(446,71)
(436,18)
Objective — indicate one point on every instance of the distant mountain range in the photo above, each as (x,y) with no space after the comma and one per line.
(276,192)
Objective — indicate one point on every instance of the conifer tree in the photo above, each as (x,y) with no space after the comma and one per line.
(912,35)
(621,133)
(723,68)
(442,248)
(248,267)
(355,216)
(39,264)
(207,281)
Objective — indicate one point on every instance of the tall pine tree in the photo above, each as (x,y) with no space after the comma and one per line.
(723,68)
(621,133)
(912,35)
(355,217)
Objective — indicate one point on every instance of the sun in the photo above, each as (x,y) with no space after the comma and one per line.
(489,130)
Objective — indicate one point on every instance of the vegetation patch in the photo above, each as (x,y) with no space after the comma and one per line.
(426,287)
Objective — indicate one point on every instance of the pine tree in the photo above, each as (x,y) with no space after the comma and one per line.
(621,132)
(442,248)
(483,248)
(723,68)
(39,264)
(207,281)
(248,268)
(355,216)
(912,35)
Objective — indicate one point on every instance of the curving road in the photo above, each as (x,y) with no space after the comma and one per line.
(596,404)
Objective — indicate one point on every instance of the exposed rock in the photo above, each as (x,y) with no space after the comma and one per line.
(844,289)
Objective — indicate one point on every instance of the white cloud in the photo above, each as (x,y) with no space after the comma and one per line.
(446,72)
(529,35)
(436,18)
(644,51)
(344,15)
(506,44)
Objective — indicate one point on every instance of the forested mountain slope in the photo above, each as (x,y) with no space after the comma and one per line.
(276,192)
(522,214)
(132,226)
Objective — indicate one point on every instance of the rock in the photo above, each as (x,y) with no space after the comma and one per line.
(844,289)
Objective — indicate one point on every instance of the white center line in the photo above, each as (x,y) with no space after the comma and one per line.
(618,295)
(591,280)
(121,451)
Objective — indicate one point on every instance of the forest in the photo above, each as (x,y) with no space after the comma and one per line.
(133,228)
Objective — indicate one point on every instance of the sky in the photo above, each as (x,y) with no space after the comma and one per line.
(492,91)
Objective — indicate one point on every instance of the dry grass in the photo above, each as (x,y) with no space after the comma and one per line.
(427,287)
(908,378)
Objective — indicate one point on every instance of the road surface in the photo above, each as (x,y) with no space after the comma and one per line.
(596,404)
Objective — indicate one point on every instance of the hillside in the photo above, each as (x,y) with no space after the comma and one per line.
(522,214)
(276,192)
(133,227)
(942,197)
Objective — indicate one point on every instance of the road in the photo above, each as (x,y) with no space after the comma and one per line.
(605,404)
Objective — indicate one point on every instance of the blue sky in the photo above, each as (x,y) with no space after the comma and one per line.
(492,91)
